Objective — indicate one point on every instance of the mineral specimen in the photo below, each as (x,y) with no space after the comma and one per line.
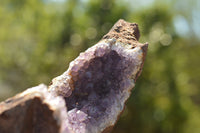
(91,94)
(99,81)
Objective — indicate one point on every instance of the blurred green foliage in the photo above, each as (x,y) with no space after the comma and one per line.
(38,39)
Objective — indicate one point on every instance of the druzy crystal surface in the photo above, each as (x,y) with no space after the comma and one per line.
(97,84)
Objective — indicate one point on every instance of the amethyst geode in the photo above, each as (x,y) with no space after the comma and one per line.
(89,96)
(99,81)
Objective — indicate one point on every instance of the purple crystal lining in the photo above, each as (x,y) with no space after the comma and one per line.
(95,82)
(101,79)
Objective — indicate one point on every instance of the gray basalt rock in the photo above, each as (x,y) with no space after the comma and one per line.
(91,94)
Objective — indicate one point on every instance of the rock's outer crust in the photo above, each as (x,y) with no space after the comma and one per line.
(124,32)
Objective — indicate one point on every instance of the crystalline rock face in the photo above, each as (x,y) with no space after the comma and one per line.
(99,81)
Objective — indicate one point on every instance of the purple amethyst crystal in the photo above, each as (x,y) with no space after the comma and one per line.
(100,80)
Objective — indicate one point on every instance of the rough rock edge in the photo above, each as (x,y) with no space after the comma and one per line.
(124,32)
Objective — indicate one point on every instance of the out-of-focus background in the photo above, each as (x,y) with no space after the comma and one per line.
(38,39)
